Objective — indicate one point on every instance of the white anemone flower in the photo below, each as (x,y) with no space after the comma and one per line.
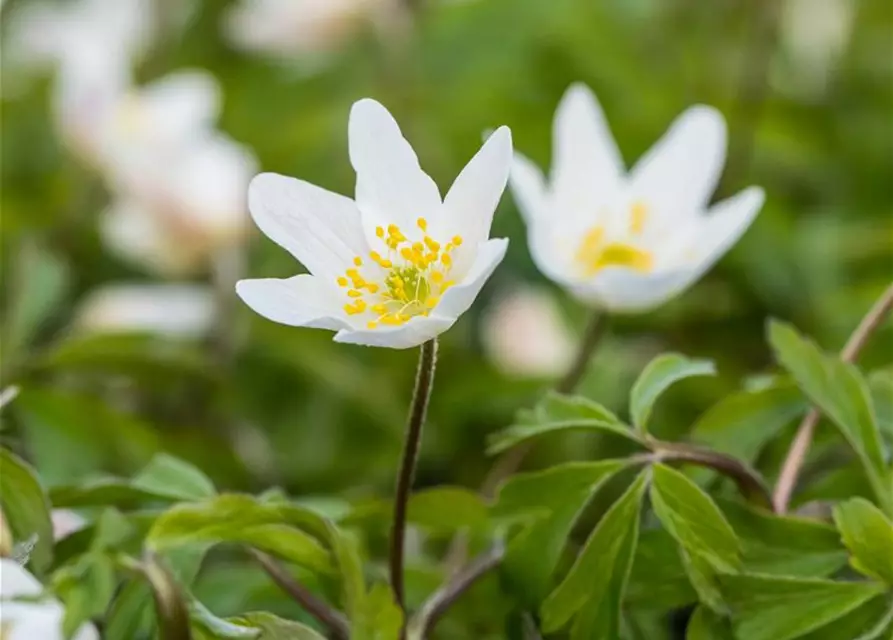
(287,28)
(398,265)
(628,242)
(26,613)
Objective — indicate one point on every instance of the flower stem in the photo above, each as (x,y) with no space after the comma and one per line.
(332,619)
(509,462)
(793,463)
(419,407)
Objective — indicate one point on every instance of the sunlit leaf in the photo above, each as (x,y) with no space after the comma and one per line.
(658,376)
(868,534)
(26,508)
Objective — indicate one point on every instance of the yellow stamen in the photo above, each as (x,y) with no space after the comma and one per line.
(423,224)
(342,281)
(358,261)
(638,217)
(353,293)
(379,231)
(457,240)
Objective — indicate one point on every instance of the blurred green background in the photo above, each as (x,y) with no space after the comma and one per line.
(807,88)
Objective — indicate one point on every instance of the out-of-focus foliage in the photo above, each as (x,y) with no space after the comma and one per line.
(256,405)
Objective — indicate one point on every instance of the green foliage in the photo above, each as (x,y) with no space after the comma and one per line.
(841,392)
(594,587)
(868,535)
(658,376)
(26,509)
(556,413)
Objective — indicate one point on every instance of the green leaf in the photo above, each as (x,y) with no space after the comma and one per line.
(381,618)
(86,588)
(784,545)
(706,625)
(742,423)
(117,492)
(555,497)
(598,577)
(169,477)
(559,413)
(130,615)
(881,386)
(871,621)
(774,608)
(868,534)
(840,391)
(26,509)
(274,628)
(657,377)
(447,509)
(693,519)
(211,625)
(658,580)
(272,527)
(346,549)
(39,287)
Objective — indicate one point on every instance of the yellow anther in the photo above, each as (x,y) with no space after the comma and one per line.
(379,308)
(406,252)
(379,231)
(352,273)
(446,259)
(358,261)
(353,293)
(437,277)
(457,240)
(432,302)
(432,244)
(423,224)
(342,281)
(418,246)
(372,287)
(638,216)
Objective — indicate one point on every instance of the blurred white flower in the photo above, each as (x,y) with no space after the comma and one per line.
(178,310)
(288,28)
(397,266)
(814,35)
(524,334)
(180,187)
(24,615)
(629,243)
(66,522)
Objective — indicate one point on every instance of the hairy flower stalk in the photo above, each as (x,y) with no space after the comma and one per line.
(418,409)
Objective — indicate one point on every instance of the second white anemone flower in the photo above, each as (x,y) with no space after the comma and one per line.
(628,242)
(398,265)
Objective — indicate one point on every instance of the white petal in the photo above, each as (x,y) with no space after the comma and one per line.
(623,290)
(418,330)
(179,310)
(458,298)
(724,224)
(300,301)
(182,103)
(586,165)
(16,581)
(529,189)
(679,173)
(321,229)
(552,250)
(471,202)
(391,185)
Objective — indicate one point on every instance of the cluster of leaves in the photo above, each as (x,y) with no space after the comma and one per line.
(669,534)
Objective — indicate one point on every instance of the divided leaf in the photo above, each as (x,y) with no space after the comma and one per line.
(774,608)
(557,412)
(167,476)
(661,373)
(598,578)
(555,497)
(276,528)
(840,391)
(868,534)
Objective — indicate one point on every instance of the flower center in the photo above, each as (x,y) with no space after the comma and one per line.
(595,253)
(417,275)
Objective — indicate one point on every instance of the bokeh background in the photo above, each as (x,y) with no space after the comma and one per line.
(108,376)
